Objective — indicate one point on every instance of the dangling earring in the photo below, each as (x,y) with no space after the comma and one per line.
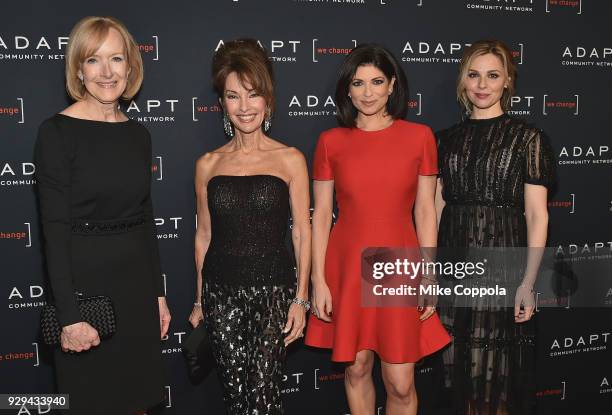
(267,121)
(227,126)
(267,124)
(81,78)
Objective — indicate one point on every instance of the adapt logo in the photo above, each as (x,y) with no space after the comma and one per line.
(589,56)
(432,51)
(13,112)
(152,110)
(522,105)
(511,6)
(173,342)
(24,48)
(604,385)
(333,2)
(291,382)
(311,105)
(282,51)
(168,228)
(592,342)
(32,296)
(585,155)
(17,174)
(589,250)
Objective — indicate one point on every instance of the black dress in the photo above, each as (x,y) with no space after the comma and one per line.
(249,279)
(484,165)
(95,205)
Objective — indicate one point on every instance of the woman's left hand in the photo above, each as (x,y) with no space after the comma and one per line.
(524,296)
(164,316)
(296,321)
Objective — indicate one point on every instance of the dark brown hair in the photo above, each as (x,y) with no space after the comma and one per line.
(250,61)
(479,48)
(370,54)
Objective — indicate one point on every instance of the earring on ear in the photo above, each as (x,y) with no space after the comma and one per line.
(267,121)
(81,79)
(227,125)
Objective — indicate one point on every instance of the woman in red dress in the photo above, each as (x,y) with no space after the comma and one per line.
(381,167)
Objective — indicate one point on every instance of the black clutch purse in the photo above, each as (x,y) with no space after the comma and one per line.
(98,311)
(198,354)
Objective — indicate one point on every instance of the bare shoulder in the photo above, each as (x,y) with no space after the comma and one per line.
(294,161)
(205,164)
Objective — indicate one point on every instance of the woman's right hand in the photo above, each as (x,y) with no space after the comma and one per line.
(79,337)
(196,316)
(321,301)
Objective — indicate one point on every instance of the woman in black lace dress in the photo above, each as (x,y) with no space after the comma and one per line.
(495,173)
(246,286)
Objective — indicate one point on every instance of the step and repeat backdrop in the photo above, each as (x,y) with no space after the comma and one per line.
(564,55)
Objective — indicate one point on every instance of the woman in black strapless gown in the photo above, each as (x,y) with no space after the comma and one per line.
(247,293)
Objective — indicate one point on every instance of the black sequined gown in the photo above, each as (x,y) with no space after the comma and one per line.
(484,165)
(249,279)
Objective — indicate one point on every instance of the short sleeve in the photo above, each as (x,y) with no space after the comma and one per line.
(429,158)
(52,160)
(540,161)
(321,167)
(156,273)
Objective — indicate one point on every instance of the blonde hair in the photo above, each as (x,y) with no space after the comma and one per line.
(479,48)
(85,38)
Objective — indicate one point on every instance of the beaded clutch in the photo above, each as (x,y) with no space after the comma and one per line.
(98,311)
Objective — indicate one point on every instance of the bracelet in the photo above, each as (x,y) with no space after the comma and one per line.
(198,304)
(526,286)
(303,303)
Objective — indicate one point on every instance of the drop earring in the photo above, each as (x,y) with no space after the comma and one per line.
(267,124)
(267,121)
(227,126)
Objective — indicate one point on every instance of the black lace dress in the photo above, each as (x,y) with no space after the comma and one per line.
(484,165)
(248,281)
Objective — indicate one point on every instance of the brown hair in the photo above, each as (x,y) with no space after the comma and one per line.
(483,47)
(250,61)
(85,38)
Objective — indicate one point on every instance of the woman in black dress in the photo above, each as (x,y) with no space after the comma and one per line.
(93,168)
(246,281)
(495,173)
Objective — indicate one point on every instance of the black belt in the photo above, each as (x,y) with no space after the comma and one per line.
(481,203)
(107,226)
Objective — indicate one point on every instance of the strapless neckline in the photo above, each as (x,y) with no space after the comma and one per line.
(230,176)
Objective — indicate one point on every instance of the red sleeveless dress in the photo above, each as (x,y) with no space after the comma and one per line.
(375,176)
